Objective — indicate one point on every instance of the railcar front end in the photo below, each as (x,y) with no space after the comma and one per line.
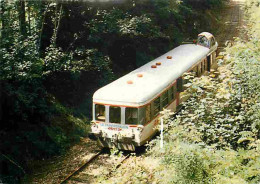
(123,127)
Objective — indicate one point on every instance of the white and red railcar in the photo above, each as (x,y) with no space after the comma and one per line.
(126,111)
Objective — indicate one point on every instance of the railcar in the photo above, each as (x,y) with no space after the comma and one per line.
(126,111)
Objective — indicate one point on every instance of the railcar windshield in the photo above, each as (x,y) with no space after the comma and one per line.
(202,40)
(100,112)
(131,116)
(212,42)
(115,114)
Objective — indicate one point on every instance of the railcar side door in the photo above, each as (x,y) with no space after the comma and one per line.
(208,63)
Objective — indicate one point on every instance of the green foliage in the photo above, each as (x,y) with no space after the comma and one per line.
(186,158)
(189,164)
(56,60)
(65,134)
(21,76)
(206,4)
(105,23)
(27,108)
(139,26)
(93,60)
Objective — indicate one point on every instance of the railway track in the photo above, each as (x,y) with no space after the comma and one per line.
(232,21)
(76,177)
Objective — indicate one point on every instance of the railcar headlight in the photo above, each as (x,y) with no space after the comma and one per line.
(94,125)
(120,136)
(140,128)
(104,134)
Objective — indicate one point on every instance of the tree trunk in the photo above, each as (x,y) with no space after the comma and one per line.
(2,19)
(22,17)
(44,12)
(57,24)
(29,19)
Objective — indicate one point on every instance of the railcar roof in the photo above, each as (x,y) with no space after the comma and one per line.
(154,80)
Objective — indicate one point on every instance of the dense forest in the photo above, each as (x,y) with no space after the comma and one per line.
(55,54)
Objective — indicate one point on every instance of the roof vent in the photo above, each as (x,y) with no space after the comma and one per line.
(169,57)
(158,64)
(139,75)
(129,82)
(153,66)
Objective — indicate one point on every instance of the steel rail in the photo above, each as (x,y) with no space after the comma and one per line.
(118,165)
(80,168)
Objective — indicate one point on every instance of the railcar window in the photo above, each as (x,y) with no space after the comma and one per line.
(164,99)
(156,103)
(148,113)
(171,94)
(141,115)
(195,71)
(180,84)
(100,112)
(174,91)
(202,40)
(198,70)
(131,115)
(114,114)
